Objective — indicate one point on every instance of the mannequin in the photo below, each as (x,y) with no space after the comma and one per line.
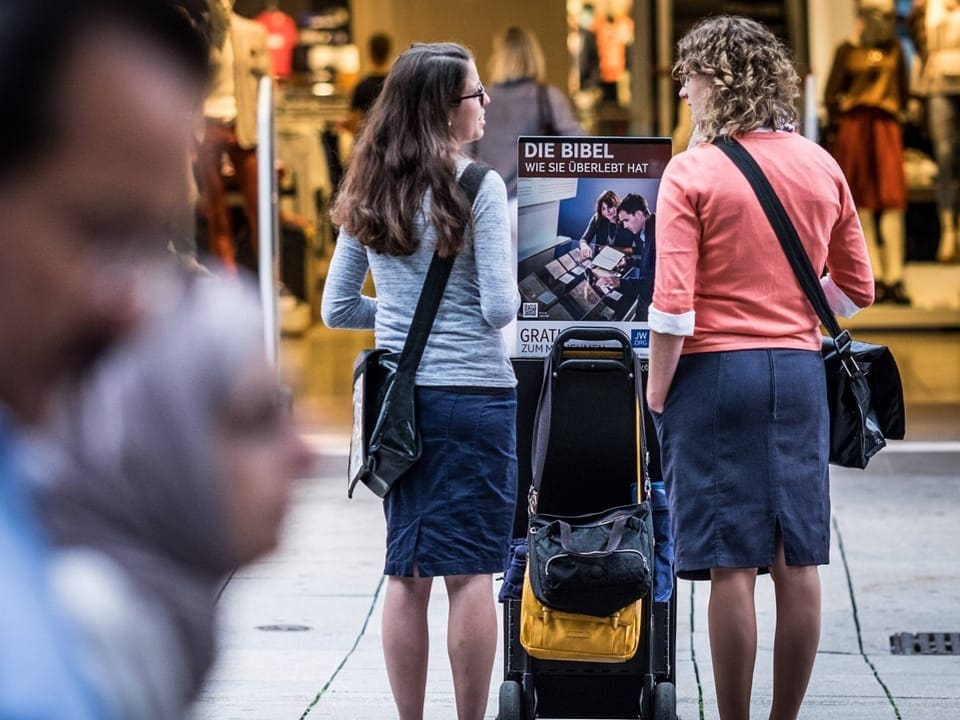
(865,95)
(230,126)
(614,35)
(938,39)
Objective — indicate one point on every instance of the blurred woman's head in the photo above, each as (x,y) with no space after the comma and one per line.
(177,459)
(432,103)
(737,77)
(516,56)
(179,442)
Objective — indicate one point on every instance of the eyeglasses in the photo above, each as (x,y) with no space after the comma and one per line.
(478,94)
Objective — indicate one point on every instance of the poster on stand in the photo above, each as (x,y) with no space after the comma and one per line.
(586,236)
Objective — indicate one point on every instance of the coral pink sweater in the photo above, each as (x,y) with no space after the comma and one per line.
(722,278)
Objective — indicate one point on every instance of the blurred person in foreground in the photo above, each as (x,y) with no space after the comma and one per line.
(522,104)
(451,516)
(177,462)
(736,384)
(96,127)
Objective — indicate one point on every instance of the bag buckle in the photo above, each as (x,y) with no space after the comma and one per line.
(842,343)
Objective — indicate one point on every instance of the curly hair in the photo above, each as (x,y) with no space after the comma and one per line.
(754,83)
(405,149)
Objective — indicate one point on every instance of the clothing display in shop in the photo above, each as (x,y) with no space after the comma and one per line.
(230,133)
(300,151)
(282,37)
(866,92)
(614,35)
(937,36)
(588,57)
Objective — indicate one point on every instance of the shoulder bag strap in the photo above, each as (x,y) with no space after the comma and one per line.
(435,284)
(787,235)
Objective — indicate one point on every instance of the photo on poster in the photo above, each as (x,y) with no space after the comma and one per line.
(586,235)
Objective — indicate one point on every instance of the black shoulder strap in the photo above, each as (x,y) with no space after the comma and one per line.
(785,231)
(435,284)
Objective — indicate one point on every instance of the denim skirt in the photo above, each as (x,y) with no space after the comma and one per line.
(744,438)
(452,514)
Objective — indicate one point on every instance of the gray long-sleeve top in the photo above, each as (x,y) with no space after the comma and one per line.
(465,348)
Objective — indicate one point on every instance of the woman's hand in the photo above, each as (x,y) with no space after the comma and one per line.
(664,356)
(655,399)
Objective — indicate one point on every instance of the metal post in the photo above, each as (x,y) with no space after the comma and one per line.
(268,221)
(641,72)
(666,93)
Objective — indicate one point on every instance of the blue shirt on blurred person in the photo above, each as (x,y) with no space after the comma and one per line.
(37,651)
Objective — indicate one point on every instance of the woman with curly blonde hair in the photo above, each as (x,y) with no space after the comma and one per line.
(754,83)
(736,384)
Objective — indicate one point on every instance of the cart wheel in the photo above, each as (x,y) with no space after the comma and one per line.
(511,701)
(665,701)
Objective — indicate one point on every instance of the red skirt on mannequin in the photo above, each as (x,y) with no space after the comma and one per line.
(869,149)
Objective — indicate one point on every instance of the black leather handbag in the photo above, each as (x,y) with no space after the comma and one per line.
(385,442)
(591,564)
(864,389)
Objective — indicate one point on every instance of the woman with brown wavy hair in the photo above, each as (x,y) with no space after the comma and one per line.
(736,384)
(451,516)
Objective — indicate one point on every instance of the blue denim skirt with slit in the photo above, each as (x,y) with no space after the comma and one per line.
(744,438)
(453,512)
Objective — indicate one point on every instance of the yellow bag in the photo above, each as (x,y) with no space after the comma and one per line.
(554,635)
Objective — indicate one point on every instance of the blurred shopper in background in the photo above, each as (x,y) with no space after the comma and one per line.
(379,49)
(736,383)
(522,104)
(451,515)
(172,474)
(96,127)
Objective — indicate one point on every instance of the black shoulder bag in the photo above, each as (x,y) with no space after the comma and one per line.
(385,442)
(863,382)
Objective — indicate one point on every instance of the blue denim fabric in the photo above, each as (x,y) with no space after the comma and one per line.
(744,446)
(663,539)
(453,512)
(512,588)
(944,119)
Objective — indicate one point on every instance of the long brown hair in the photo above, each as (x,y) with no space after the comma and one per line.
(407,148)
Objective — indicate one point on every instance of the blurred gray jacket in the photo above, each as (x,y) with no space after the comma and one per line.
(513,112)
